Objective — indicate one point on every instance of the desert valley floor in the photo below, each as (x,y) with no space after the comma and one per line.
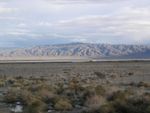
(114,71)
(111,76)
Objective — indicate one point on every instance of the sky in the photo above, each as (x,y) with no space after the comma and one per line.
(26,23)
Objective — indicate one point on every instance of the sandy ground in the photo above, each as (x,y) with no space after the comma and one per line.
(115,71)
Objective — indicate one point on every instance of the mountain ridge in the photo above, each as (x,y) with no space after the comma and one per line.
(90,50)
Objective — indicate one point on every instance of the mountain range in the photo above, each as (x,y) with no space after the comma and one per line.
(87,50)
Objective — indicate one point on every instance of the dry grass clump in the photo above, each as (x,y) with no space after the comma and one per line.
(100,90)
(120,95)
(95,102)
(11,96)
(36,106)
(63,105)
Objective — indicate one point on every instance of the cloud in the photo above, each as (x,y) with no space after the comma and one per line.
(22,25)
(116,21)
(8,18)
(129,22)
(45,24)
(7,10)
(83,1)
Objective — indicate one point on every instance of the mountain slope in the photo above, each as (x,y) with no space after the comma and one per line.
(83,50)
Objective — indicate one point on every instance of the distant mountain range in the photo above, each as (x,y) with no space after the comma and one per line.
(87,50)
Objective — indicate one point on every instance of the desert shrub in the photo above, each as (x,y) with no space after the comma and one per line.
(47,96)
(2,83)
(36,106)
(11,96)
(107,108)
(26,97)
(60,88)
(146,96)
(35,87)
(143,84)
(132,105)
(15,95)
(148,109)
(99,90)
(16,84)
(63,104)
(100,75)
(130,73)
(120,95)
(75,92)
(132,84)
(10,81)
(95,102)
(74,85)
(89,91)
(18,77)
(26,83)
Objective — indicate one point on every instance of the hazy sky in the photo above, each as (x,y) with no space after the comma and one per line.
(39,22)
